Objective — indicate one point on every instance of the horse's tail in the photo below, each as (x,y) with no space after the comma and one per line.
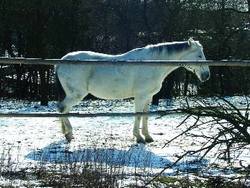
(60,91)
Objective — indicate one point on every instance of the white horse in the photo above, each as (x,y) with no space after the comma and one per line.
(120,82)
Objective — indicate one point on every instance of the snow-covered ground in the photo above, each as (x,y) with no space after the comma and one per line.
(28,142)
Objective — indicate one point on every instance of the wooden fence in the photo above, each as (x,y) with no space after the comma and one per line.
(38,61)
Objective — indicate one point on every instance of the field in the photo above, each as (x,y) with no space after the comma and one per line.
(33,151)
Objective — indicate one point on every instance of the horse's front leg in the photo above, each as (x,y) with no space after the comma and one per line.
(140,101)
(148,138)
(136,131)
(66,128)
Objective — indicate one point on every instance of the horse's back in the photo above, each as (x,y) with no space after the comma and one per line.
(86,55)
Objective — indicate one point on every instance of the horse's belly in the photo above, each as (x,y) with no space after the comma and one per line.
(110,93)
(111,82)
(110,90)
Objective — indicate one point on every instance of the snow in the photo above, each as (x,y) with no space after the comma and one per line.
(106,141)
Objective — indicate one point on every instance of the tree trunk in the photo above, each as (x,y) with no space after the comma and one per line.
(43,86)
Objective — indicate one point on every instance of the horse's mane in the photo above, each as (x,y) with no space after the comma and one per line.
(168,47)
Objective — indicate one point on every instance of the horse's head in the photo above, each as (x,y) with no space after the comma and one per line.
(195,52)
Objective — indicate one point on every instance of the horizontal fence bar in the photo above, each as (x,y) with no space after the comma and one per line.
(129,114)
(39,61)
(53,115)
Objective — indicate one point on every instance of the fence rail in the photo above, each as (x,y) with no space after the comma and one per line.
(39,61)
(53,115)
(202,110)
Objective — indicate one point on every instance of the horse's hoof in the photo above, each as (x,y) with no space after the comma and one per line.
(69,137)
(149,140)
(140,141)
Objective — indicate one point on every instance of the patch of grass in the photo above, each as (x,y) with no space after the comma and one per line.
(175,182)
(210,182)
(86,178)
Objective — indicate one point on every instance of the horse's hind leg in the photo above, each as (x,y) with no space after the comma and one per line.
(71,91)
(66,128)
(64,107)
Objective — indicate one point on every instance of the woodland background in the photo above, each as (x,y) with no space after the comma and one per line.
(52,28)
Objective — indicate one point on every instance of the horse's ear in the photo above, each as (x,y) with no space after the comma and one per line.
(191,41)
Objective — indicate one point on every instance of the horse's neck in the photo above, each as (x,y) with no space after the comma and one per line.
(146,54)
(136,54)
(142,54)
(167,70)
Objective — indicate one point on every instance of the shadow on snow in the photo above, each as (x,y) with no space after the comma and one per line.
(135,156)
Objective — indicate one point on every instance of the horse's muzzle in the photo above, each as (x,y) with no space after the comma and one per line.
(205,76)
